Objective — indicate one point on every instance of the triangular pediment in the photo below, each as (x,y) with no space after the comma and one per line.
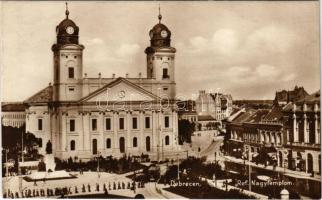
(120,90)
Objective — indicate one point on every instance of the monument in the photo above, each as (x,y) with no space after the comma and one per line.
(49,173)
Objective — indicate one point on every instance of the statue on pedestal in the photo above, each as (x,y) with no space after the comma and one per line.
(49,147)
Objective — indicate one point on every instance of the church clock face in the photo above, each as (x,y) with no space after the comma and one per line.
(70,30)
(164,33)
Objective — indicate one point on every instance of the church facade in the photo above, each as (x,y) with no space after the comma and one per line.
(85,117)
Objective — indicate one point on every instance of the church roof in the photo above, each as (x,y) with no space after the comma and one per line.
(43,96)
(206,118)
(13,107)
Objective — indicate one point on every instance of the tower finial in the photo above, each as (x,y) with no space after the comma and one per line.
(66,12)
(160,16)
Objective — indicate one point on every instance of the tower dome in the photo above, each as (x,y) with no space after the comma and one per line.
(160,34)
(67,31)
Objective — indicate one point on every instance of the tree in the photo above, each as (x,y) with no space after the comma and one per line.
(12,140)
(185,128)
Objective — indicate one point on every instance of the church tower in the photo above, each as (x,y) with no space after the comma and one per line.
(160,59)
(68,61)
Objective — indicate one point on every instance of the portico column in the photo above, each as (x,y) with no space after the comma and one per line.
(305,131)
(87,139)
(128,131)
(295,133)
(101,131)
(80,130)
(141,126)
(115,128)
(316,130)
(63,138)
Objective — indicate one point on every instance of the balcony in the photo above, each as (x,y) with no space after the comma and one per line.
(303,145)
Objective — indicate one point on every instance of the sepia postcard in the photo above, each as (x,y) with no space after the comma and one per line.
(160,99)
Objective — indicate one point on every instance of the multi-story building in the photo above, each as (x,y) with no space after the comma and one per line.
(82,116)
(303,134)
(13,114)
(291,132)
(218,105)
(285,96)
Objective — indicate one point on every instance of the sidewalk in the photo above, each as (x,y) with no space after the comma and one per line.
(288,172)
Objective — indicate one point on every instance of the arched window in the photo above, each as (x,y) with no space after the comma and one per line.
(72,145)
(108,143)
(167,140)
(135,142)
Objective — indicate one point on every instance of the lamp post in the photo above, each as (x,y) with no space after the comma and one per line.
(98,164)
(178,176)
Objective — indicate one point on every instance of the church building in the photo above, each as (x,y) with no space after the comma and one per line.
(85,117)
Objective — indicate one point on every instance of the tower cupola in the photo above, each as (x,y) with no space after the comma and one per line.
(67,31)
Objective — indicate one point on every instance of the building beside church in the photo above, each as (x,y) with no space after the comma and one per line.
(217,105)
(285,96)
(291,132)
(85,117)
(13,114)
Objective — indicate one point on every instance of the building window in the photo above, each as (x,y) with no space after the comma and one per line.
(165,74)
(71,89)
(72,125)
(147,122)
(72,145)
(135,123)
(167,140)
(166,122)
(108,124)
(108,143)
(70,72)
(39,124)
(135,142)
(121,123)
(94,124)
(165,88)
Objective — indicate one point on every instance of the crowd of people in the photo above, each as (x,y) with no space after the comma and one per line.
(65,191)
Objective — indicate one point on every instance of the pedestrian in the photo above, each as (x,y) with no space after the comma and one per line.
(35,183)
(109,186)
(123,185)
(105,191)
(76,191)
(89,188)
(17,195)
(97,187)
(83,188)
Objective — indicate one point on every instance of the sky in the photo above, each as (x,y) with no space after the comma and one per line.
(246,49)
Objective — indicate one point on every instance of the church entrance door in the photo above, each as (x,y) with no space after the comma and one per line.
(122,145)
(94,147)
